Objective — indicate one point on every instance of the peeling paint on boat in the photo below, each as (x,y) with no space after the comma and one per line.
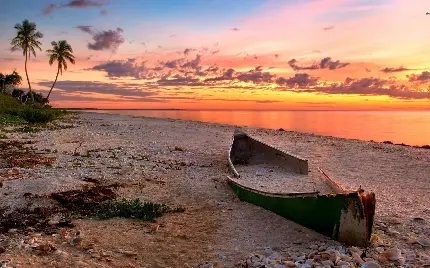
(344,216)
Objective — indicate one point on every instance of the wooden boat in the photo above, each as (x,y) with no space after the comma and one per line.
(282,183)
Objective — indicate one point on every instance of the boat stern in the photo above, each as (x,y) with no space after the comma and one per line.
(356,219)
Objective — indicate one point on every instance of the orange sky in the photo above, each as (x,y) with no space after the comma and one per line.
(311,54)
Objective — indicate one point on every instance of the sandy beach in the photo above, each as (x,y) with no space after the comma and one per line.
(184,163)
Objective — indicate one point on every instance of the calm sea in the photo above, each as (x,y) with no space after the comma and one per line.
(411,128)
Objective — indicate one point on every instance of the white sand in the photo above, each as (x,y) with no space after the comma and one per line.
(215,221)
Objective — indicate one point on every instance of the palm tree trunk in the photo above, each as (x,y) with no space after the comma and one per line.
(58,71)
(28,80)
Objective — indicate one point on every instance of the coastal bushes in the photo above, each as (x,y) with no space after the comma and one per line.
(13,111)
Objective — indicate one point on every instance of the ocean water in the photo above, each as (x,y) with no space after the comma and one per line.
(412,128)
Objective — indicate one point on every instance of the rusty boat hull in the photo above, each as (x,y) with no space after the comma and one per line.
(346,216)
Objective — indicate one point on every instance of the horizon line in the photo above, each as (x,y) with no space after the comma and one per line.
(254,110)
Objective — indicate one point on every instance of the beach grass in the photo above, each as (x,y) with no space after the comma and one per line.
(135,209)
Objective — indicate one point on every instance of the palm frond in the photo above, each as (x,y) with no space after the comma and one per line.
(63,52)
(53,58)
(71,58)
(60,67)
(64,63)
(26,38)
(31,49)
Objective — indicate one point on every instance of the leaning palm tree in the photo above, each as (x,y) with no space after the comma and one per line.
(27,40)
(60,52)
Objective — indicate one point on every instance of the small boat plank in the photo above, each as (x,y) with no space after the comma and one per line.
(272,178)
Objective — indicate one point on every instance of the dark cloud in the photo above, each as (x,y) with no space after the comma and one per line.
(423,77)
(255,76)
(178,80)
(172,64)
(328,28)
(325,63)
(369,86)
(183,72)
(375,87)
(228,75)
(235,29)
(104,12)
(107,40)
(89,87)
(298,80)
(183,65)
(73,4)
(193,64)
(128,68)
(49,9)
(211,70)
(367,70)
(293,64)
(83,4)
(85,28)
(394,70)
(104,40)
(188,50)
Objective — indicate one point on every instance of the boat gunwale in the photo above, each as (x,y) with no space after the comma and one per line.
(286,195)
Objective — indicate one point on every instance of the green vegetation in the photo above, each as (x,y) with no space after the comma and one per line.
(9,80)
(7,119)
(29,129)
(13,111)
(135,209)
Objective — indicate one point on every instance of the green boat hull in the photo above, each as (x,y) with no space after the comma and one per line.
(343,216)
(339,216)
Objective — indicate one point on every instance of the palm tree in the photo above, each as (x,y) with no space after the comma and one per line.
(27,40)
(60,52)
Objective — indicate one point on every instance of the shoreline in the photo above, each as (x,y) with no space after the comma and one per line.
(183,163)
(425,146)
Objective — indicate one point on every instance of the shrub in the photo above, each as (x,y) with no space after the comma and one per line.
(34,115)
(29,129)
(37,112)
(134,209)
(7,119)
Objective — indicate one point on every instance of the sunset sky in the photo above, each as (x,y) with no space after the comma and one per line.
(229,54)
